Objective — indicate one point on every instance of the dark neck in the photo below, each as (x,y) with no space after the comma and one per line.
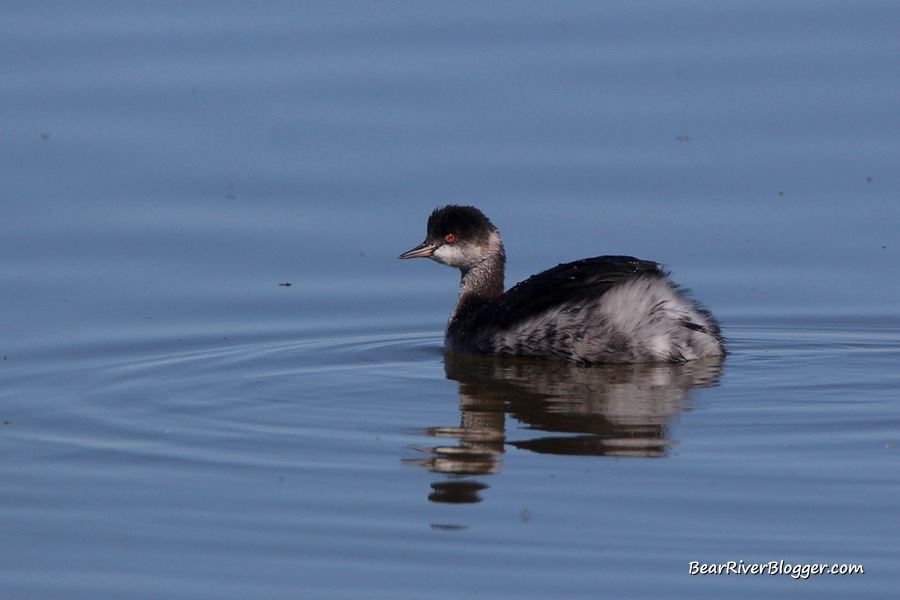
(480,284)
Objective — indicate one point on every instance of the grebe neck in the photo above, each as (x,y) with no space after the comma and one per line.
(481,283)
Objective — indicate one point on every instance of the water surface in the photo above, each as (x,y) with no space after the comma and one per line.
(178,421)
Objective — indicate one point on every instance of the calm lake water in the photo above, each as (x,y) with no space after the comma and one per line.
(176,421)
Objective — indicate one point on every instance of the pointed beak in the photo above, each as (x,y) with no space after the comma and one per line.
(423,250)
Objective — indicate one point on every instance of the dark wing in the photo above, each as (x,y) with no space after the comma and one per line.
(569,283)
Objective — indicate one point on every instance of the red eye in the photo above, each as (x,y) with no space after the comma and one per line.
(450,237)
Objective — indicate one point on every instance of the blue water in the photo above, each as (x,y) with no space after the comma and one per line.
(177,421)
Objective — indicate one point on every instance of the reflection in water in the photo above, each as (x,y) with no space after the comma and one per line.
(603,410)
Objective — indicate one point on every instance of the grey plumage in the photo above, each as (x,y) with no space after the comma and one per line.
(608,309)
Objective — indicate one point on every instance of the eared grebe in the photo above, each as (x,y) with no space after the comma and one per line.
(608,309)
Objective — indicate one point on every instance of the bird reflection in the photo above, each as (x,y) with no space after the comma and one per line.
(561,408)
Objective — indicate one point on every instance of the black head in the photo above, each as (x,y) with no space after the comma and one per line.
(465,223)
(458,236)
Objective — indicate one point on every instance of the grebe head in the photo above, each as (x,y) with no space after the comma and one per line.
(460,237)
